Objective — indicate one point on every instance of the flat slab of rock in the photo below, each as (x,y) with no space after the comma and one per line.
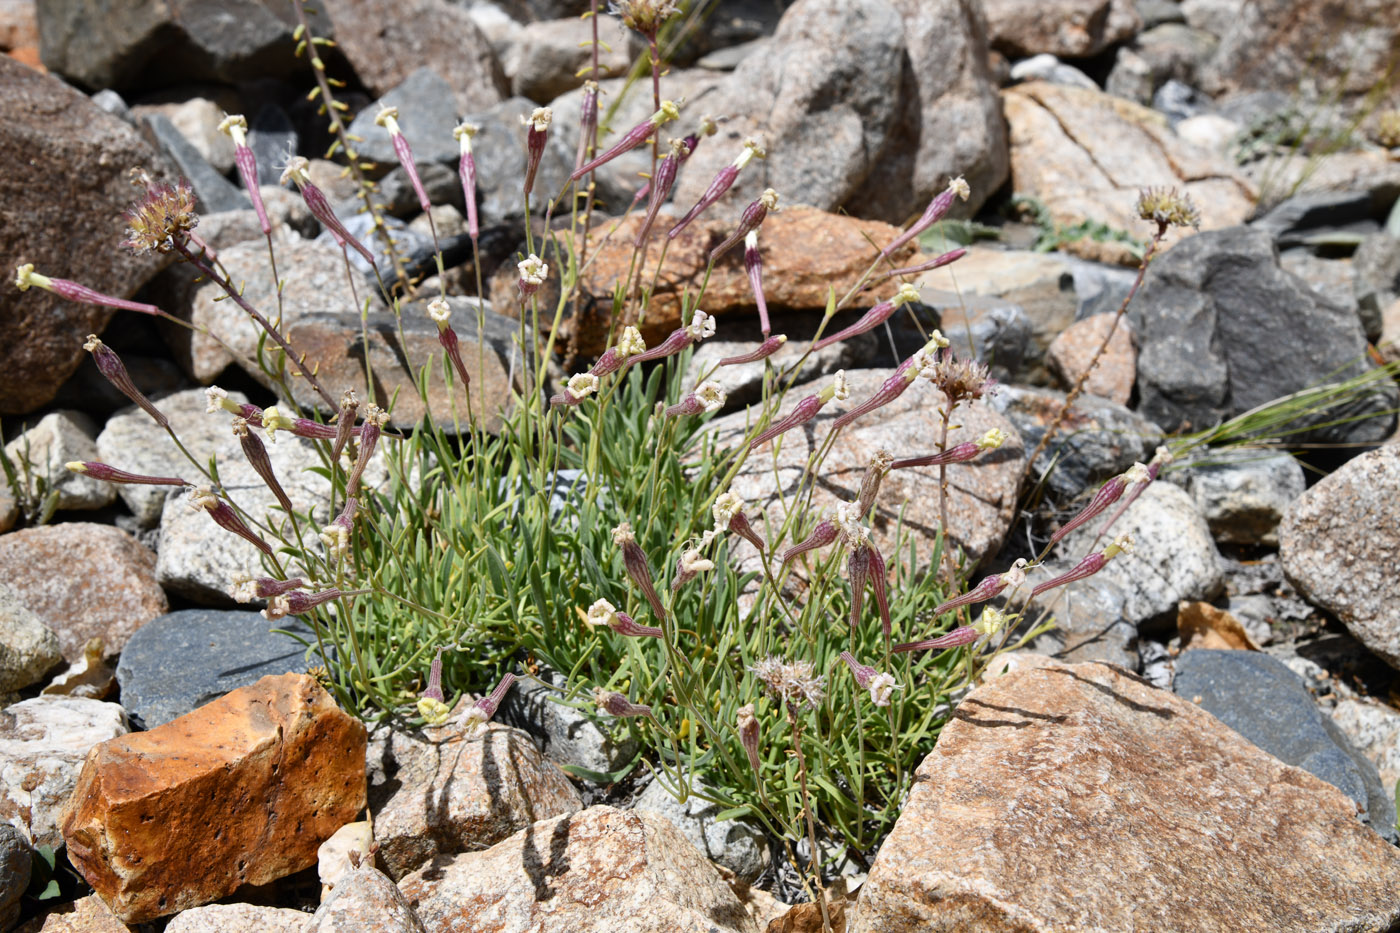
(85,915)
(483,789)
(43,743)
(59,438)
(241,791)
(364,901)
(981,493)
(1112,377)
(238,918)
(1050,780)
(599,871)
(83,581)
(1339,544)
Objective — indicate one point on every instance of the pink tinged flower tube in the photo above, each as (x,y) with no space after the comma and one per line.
(623,624)
(767,348)
(940,205)
(960,453)
(701,326)
(294,604)
(707,398)
(858,570)
(110,365)
(375,417)
(344,423)
(803,412)
(480,713)
(587,121)
(466,169)
(634,138)
(664,181)
(226,518)
(1107,495)
(110,474)
(753,215)
(872,318)
(1088,566)
(722,182)
(893,387)
(989,587)
(689,143)
(962,635)
(219,401)
(440,311)
(636,564)
(1162,458)
(747,725)
(273,420)
(821,536)
(267,587)
(739,524)
(389,119)
(935,263)
(615,704)
(536,136)
(753,264)
(320,208)
(862,673)
(879,584)
(256,454)
(236,128)
(26,278)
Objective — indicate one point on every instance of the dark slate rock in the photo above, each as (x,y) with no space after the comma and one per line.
(15,865)
(1180,101)
(182,660)
(500,163)
(414,246)
(1099,439)
(271,137)
(442,184)
(110,101)
(427,114)
(1091,622)
(1222,328)
(212,190)
(1261,699)
(1307,213)
(1099,288)
(1000,331)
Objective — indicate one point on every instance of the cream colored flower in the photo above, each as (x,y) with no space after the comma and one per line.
(701,326)
(582,385)
(601,612)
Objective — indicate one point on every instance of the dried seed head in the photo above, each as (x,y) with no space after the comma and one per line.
(161,219)
(644,16)
(959,379)
(601,612)
(792,682)
(1167,207)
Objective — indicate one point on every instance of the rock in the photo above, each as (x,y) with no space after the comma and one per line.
(59,438)
(823,103)
(1000,332)
(484,789)
(286,212)
(28,647)
(365,901)
(1068,28)
(1376,285)
(1218,326)
(567,736)
(15,864)
(1374,731)
(551,57)
(1046,67)
(1097,440)
(1264,701)
(736,845)
(948,121)
(246,788)
(1071,353)
(1131,78)
(619,180)
(1174,557)
(271,135)
(1293,221)
(85,915)
(500,162)
(115,594)
(1032,771)
(1209,131)
(19,25)
(109,101)
(132,441)
(1389,340)
(409,246)
(182,660)
(442,185)
(167,44)
(1256,614)
(1242,493)
(427,114)
(318,287)
(43,742)
(9,510)
(1373,174)
(1090,623)
(599,870)
(1331,567)
(981,493)
(805,252)
(60,206)
(336,342)
(238,918)
(1331,278)
(386,40)
(1086,155)
(1362,40)
(1041,285)
(197,121)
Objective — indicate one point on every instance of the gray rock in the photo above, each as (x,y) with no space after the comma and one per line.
(1046,67)
(1067,28)
(1260,698)
(271,137)
(131,441)
(1242,493)
(1339,547)
(1090,622)
(988,329)
(364,900)
(197,118)
(1174,557)
(28,648)
(1376,267)
(43,743)
(500,160)
(183,660)
(61,211)
(286,212)
(551,57)
(1132,77)
(1180,101)
(1333,279)
(565,734)
(737,845)
(407,244)
(1373,729)
(1219,325)
(427,114)
(1256,612)
(100,45)
(213,192)
(442,185)
(1290,222)
(15,865)
(59,438)
(1098,289)
(110,101)
(1098,440)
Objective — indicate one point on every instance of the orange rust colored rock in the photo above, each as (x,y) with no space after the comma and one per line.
(240,791)
(805,252)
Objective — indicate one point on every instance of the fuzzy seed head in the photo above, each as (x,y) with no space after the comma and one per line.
(162,218)
(792,682)
(644,16)
(959,379)
(1168,208)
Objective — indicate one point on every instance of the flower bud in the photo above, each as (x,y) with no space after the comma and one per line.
(110,474)
(753,215)
(823,534)
(767,348)
(939,206)
(938,262)
(431,707)
(660,187)
(203,497)
(632,139)
(320,207)
(801,413)
(721,183)
(536,135)
(963,635)
(466,170)
(615,704)
(344,423)
(635,563)
(748,735)
(110,365)
(872,318)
